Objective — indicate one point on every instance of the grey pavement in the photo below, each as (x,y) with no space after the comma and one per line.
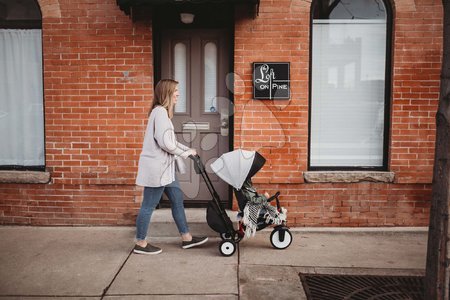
(98,263)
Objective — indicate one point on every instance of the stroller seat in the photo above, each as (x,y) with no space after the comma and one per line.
(237,168)
(255,211)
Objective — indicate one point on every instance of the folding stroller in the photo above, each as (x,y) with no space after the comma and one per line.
(237,168)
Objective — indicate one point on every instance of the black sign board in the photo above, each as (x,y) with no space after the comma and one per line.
(271,80)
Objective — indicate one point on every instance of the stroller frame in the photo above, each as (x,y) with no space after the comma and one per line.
(280,237)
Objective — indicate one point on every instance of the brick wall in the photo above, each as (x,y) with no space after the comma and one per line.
(416,80)
(98,80)
(98,76)
(350,205)
(279,130)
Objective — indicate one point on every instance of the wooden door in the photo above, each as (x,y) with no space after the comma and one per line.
(199,61)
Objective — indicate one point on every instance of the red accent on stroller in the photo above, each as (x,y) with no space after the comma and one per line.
(219,221)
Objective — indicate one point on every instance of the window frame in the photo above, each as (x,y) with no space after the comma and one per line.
(27,24)
(387,95)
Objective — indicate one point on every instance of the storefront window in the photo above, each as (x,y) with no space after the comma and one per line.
(21,86)
(349,84)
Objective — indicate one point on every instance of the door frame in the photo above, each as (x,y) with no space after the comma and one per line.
(157,29)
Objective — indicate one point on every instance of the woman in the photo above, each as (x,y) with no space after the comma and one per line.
(156,172)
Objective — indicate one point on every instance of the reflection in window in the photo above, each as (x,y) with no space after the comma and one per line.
(180,65)
(349,9)
(210,73)
(348,84)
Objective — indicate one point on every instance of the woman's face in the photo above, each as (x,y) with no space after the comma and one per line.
(175,95)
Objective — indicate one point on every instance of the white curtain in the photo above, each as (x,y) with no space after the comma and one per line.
(348,93)
(21,98)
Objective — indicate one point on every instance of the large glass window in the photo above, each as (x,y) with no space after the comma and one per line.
(21,86)
(348,84)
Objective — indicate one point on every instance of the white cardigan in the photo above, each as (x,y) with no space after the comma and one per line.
(160,151)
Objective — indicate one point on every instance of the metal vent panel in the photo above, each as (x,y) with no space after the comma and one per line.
(351,287)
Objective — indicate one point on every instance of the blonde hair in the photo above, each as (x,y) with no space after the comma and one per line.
(164,91)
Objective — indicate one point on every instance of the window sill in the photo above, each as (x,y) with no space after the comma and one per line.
(348,176)
(24,177)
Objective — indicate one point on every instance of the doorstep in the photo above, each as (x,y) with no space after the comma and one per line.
(163,225)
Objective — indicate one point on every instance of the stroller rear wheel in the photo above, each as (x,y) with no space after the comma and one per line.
(225,236)
(281,238)
(227,247)
(236,236)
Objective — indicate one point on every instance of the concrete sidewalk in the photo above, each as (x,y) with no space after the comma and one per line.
(97,263)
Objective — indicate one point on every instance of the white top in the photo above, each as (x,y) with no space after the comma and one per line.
(160,151)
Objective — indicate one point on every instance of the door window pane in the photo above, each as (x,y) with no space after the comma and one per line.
(210,80)
(348,87)
(180,65)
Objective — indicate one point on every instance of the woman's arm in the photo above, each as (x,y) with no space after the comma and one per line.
(165,135)
(182,147)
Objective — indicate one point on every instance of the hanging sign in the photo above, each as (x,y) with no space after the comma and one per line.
(271,80)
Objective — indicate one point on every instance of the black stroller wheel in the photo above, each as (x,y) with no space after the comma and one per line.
(227,247)
(235,237)
(225,236)
(281,238)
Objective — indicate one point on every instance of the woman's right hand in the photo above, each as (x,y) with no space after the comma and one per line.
(192,151)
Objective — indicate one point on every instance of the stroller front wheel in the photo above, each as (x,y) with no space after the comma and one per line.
(227,248)
(281,238)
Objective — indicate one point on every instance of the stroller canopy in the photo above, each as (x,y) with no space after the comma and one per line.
(237,166)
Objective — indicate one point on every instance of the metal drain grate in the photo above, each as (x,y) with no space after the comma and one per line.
(351,287)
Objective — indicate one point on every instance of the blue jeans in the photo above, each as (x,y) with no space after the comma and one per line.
(152,196)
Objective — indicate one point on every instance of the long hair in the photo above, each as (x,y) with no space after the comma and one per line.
(164,91)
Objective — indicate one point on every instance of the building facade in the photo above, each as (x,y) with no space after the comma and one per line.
(339,97)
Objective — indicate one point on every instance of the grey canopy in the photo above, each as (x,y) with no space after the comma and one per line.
(234,167)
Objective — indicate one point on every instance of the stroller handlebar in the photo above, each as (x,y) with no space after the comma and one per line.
(199,168)
(198,165)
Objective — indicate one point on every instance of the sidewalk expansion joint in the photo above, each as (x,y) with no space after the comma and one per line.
(115,276)
(168,295)
(238,278)
(38,296)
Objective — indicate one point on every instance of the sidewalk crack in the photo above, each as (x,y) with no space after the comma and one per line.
(105,290)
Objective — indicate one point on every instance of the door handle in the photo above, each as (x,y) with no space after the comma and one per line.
(224,124)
